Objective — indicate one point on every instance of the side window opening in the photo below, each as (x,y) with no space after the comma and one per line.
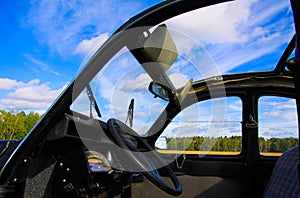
(278,125)
(193,130)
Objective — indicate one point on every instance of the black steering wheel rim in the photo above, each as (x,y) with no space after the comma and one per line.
(120,133)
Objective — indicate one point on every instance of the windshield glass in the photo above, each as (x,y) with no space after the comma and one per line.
(121,87)
(120,81)
(240,36)
(232,37)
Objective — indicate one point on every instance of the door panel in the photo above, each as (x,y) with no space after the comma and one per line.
(194,186)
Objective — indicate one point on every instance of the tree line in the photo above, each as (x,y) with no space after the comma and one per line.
(14,126)
(229,144)
(277,144)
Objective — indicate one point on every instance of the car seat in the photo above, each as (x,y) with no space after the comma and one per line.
(284,181)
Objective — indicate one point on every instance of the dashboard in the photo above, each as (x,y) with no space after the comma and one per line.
(85,165)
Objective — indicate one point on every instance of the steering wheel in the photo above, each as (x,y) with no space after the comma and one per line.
(126,138)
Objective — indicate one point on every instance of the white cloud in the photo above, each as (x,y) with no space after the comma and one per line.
(283,104)
(277,109)
(178,79)
(281,115)
(230,22)
(277,117)
(140,115)
(106,88)
(284,130)
(217,24)
(43,66)
(235,107)
(267,10)
(139,83)
(90,46)
(30,96)
(272,114)
(63,24)
(34,91)
(236,32)
(7,84)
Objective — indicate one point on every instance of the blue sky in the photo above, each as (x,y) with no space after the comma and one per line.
(43,44)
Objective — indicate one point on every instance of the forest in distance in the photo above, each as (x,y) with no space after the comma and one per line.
(14,126)
(229,144)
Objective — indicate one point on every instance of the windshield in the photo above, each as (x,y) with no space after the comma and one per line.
(183,50)
(121,87)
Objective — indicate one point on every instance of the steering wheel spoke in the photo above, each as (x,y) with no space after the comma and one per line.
(127,139)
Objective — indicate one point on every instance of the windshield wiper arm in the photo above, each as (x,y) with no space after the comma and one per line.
(130,113)
(93,103)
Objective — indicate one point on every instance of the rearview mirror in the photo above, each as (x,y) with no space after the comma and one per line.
(161,91)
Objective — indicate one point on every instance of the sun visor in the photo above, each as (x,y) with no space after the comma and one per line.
(160,52)
(160,47)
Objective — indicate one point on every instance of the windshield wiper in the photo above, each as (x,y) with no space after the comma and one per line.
(130,113)
(93,103)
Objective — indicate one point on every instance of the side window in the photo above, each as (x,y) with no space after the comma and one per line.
(204,128)
(278,125)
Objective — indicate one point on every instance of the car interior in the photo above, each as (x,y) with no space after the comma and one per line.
(165,128)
